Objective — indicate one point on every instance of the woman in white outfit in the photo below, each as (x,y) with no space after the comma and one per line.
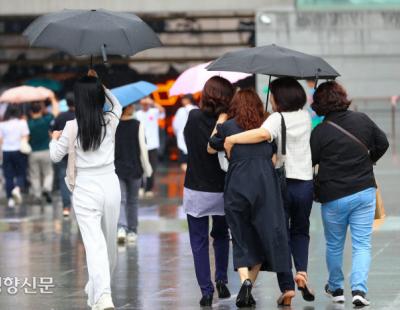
(96,192)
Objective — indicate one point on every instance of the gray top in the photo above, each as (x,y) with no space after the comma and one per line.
(199,204)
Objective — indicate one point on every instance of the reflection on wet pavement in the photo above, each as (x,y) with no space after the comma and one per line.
(157,272)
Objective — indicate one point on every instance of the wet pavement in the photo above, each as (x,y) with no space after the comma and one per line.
(157,272)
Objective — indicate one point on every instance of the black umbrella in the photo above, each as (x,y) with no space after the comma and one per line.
(92,32)
(276,61)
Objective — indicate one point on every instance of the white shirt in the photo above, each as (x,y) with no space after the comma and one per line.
(149,119)
(179,124)
(298,162)
(104,155)
(11,132)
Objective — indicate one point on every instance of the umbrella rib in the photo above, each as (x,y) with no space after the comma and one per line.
(51,23)
(297,66)
(115,22)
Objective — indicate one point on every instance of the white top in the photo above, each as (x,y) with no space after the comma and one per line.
(149,119)
(179,124)
(11,132)
(298,162)
(144,154)
(104,155)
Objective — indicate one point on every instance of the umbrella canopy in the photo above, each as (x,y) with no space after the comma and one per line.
(92,32)
(22,94)
(276,61)
(47,83)
(130,93)
(193,79)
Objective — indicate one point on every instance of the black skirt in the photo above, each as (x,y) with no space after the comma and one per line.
(255,215)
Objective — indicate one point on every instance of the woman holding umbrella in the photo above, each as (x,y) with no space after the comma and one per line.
(96,191)
(288,99)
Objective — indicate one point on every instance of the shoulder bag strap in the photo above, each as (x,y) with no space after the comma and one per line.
(350,135)
(283,135)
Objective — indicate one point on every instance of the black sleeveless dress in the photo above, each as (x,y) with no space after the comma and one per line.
(253,204)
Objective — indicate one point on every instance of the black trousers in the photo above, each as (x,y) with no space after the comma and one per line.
(199,241)
(153,158)
(298,201)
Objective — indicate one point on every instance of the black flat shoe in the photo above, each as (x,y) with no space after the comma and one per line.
(222,289)
(243,298)
(206,301)
(301,280)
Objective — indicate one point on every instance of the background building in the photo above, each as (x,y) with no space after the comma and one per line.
(360,38)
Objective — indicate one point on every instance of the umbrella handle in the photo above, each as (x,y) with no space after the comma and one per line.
(267,100)
(316,78)
(103,53)
(91,62)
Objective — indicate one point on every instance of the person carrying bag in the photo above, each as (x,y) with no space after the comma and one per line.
(345,146)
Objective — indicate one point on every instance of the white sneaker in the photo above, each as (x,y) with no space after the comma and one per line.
(360,299)
(16,193)
(141,192)
(104,303)
(148,194)
(11,203)
(121,235)
(131,237)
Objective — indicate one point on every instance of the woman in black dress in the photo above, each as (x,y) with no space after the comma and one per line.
(253,202)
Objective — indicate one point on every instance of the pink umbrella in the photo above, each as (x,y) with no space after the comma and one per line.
(193,79)
(22,94)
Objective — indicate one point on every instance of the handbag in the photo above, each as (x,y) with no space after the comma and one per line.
(25,147)
(317,184)
(71,166)
(281,172)
(379,206)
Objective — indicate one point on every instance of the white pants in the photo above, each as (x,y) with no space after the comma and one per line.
(40,168)
(96,201)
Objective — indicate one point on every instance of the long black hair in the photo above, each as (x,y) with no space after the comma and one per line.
(89,110)
(13,112)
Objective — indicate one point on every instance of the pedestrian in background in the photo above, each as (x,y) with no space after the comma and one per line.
(203,194)
(96,192)
(40,167)
(288,99)
(149,116)
(179,124)
(14,133)
(131,162)
(253,200)
(58,125)
(346,146)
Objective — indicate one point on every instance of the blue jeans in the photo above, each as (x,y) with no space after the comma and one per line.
(128,216)
(14,169)
(356,211)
